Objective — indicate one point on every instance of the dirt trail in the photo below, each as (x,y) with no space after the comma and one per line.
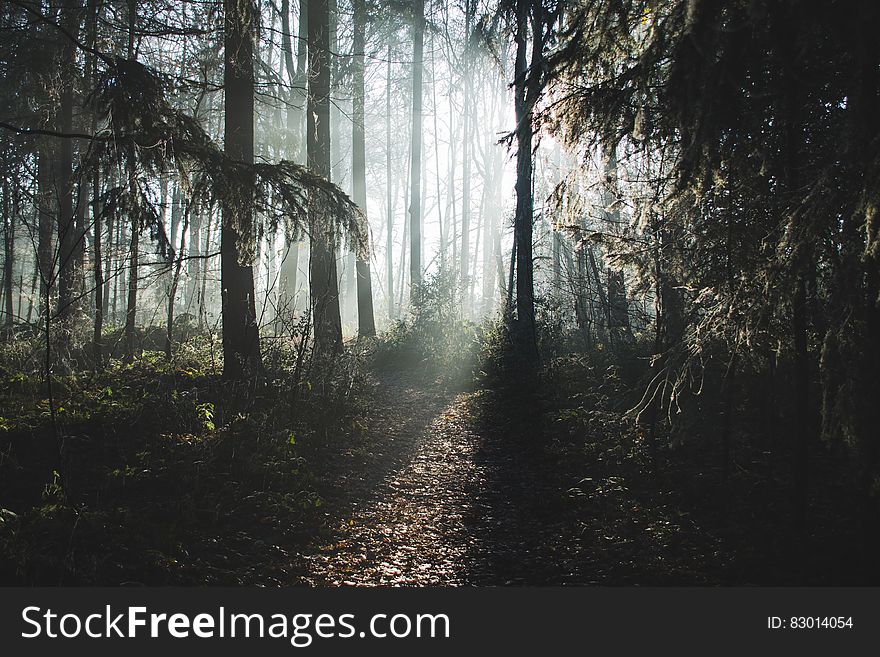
(441,501)
(412,526)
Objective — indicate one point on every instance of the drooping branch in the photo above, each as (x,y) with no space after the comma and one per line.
(143,130)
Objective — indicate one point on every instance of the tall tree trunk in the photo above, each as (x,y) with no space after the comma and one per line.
(45,208)
(118,274)
(9,248)
(288,278)
(322,263)
(241,339)
(177,261)
(619,329)
(345,259)
(176,237)
(603,318)
(437,177)
(203,289)
(405,241)
(494,166)
(578,282)
(97,250)
(467,120)
(67,220)
(415,200)
(296,77)
(131,305)
(557,261)
(451,209)
(366,321)
(523,219)
(98,326)
(389,196)
(300,81)
(270,303)
(108,262)
(401,266)
(194,263)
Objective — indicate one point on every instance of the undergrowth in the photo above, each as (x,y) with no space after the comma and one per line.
(656,503)
(158,472)
(434,339)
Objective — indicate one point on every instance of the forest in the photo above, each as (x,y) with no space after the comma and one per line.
(439,292)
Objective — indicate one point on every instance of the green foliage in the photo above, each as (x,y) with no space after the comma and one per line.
(434,338)
(166,474)
(20,356)
(205,413)
(146,132)
(754,203)
(54,491)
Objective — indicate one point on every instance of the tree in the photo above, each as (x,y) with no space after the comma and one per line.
(134,218)
(763,251)
(526,89)
(65,179)
(322,264)
(415,181)
(241,339)
(9,220)
(467,116)
(296,101)
(389,196)
(366,322)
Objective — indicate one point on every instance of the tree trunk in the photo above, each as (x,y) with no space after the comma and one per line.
(45,205)
(97,250)
(172,289)
(322,264)
(131,306)
(366,321)
(467,120)
(619,329)
(494,165)
(108,262)
(241,339)
(9,244)
(98,326)
(288,276)
(203,288)
(118,274)
(194,264)
(300,81)
(437,177)
(296,77)
(345,259)
(451,208)
(523,219)
(389,197)
(415,207)
(64,182)
(603,319)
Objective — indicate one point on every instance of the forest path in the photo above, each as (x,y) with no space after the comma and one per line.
(442,503)
(403,521)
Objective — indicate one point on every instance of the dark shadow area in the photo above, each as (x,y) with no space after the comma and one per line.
(584,503)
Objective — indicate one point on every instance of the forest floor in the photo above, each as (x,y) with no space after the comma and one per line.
(400,512)
(497,486)
(442,491)
(172,478)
